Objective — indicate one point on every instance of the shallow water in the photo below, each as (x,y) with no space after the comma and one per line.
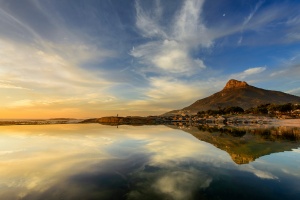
(92,161)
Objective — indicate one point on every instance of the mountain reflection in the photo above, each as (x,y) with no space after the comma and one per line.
(245,144)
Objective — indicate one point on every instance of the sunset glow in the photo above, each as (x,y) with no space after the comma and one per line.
(82,59)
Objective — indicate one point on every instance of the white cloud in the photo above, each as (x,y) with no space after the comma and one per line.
(188,26)
(170,50)
(249,72)
(254,70)
(148,22)
(176,60)
(167,57)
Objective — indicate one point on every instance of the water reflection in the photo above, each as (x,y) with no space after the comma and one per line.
(148,162)
(245,144)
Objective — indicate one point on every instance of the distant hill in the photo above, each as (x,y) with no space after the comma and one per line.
(238,93)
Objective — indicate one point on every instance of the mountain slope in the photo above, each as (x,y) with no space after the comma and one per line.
(238,93)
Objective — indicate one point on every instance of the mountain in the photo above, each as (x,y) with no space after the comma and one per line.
(238,93)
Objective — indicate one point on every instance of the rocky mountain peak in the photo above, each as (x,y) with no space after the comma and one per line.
(235,84)
(237,93)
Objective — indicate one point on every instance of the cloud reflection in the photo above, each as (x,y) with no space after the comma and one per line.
(182,184)
(259,173)
(94,161)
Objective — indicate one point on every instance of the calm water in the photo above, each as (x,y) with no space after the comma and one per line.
(145,162)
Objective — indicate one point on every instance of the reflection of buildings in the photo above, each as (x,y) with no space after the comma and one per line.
(244,145)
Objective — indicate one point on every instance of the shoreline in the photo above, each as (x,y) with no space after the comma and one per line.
(230,121)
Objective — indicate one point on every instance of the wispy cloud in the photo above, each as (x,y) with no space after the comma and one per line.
(247,20)
(263,25)
(30,65)
(8,85)
(170,49)
(254,70)
(189,28)
(276,73)
(249,72)
(149,22)
(41,78)
(250,16)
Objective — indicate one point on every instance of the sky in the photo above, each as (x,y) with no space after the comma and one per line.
(93,58)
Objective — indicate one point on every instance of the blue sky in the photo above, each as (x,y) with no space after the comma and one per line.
(89,58)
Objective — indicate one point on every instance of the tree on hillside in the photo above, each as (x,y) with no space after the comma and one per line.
(261,109)
(233,109)
(281,108)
